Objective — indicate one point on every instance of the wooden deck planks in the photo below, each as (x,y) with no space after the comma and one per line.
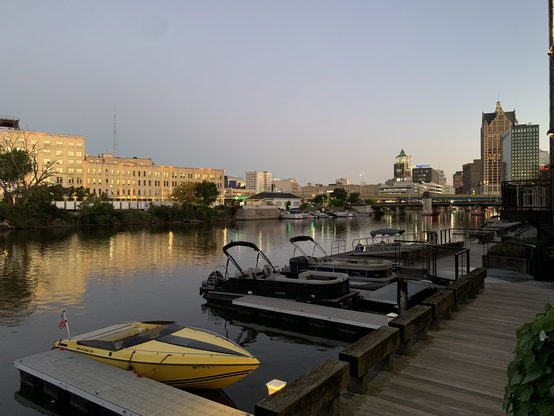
(461,368)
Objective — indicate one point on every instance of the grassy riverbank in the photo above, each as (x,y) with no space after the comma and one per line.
(98,212)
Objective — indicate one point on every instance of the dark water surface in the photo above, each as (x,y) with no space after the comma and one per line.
(102,276)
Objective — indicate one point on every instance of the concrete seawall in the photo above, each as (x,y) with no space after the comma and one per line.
(258,213)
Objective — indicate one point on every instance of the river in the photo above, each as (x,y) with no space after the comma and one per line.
(101,276)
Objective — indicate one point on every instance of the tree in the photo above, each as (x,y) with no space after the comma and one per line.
(19,162)
(354,198)
(15,165)
(339,193)
(319,199)
(206,192)
(185,192)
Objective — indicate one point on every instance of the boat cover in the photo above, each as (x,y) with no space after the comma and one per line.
(386,231)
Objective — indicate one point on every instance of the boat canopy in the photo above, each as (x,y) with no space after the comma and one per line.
(386,231)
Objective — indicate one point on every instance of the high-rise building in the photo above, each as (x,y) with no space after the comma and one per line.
(471,176)
(520,152)
(426,174)
(493,126)
(259,181)
(402,166)
(457,182)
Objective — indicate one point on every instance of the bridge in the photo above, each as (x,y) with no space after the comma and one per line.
(434,204)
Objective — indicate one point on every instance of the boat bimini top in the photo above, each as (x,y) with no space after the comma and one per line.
(317,252)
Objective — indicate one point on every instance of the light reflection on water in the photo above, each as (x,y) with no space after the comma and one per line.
(106,275)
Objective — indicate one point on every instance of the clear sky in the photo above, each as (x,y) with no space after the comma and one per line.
(309,89)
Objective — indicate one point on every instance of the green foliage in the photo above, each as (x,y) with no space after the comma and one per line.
(98,212)
(340,194)
(514,250)
(530,389)
(354,198)
(206,192)
(184,192)
(15,165)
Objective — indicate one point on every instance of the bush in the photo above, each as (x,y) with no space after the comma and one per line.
(530,389)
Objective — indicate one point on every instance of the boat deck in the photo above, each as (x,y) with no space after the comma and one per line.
(118,391)
(307,310)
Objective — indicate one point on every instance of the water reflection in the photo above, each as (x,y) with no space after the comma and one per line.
(107,275)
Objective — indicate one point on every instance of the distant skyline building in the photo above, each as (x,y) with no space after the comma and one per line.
(426,174)
(286,185)
(493,126)
(259,181)
(457,182)
(402,166)
(471,176)
(520,152)
(234,182)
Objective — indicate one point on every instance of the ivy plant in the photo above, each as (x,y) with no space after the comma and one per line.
(530,389)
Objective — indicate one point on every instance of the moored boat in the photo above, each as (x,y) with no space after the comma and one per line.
(378,272)
(292,214)
(264,279)
(167,352)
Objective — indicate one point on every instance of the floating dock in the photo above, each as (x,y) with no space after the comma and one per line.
(293,311)
(90,385)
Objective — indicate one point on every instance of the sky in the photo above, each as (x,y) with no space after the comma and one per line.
(314,90)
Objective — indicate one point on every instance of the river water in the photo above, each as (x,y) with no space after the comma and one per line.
(101,276)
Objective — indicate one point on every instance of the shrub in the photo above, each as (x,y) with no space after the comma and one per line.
(530,389)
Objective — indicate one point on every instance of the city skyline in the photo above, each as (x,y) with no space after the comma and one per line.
(311,90)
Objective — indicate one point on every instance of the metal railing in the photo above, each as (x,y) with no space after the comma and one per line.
(527,195)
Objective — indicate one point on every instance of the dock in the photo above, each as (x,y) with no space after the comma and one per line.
(291,309)
(461,369)
(88,384)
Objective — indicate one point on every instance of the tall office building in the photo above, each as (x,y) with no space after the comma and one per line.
(402,166)
(493,126)
(471,176)
(520,152)
(259,181)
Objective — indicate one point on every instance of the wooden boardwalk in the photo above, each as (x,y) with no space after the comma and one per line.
(461,368)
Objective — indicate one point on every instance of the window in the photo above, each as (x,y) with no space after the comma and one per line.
(59,152)
(79,162)
(46,151)
(70,180)
(79,154)
(46,143)
(79,181)
(59,179)
(79,146)
(70,144)
(59,144)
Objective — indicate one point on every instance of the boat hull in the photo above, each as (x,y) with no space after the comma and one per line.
(172,358)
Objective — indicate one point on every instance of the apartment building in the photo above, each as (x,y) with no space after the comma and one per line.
(119,178)
(63,153)
(141,179)
(520,152)
(259,181)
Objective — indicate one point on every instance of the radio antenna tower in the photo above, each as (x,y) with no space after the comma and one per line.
(114,150)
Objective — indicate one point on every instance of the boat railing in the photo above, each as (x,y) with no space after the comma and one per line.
(338,246)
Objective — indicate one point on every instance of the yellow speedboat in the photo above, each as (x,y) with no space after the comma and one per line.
(166,352)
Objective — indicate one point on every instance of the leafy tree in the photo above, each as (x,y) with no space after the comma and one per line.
(184,192)
(15,165)
(19,164)
(339,193)
(319,199)
(354,198)
(206,192)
